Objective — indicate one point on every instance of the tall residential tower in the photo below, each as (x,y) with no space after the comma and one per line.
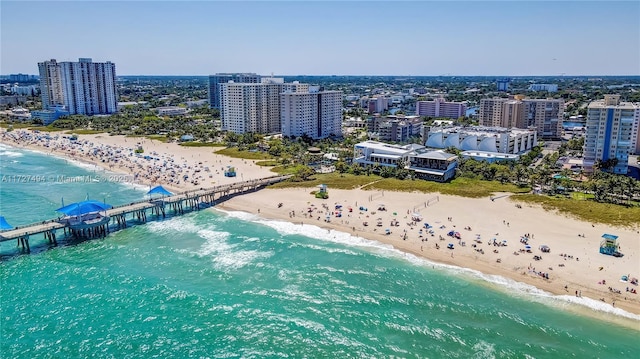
(315,113)
(219,78)
(543,114)
(254,107)
(83,87)
(611,132)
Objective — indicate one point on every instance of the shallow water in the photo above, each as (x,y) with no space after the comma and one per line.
(214,284)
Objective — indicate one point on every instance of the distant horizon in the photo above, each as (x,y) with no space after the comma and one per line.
(465,38)
(392,75)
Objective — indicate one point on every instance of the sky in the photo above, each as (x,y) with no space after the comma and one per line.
(429,38)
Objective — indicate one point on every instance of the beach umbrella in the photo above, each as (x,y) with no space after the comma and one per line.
(527,247)
(4,225)
(159,190)
(84,207)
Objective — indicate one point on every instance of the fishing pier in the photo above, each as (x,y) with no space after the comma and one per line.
(99,223)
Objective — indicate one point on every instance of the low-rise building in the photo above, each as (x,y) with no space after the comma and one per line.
(171,111)
(543,87)
(50,115)
(480,138)
(20,114)
(489,156)
(423,163)
(12,100)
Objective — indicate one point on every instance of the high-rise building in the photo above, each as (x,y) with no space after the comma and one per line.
(396,128)
(254,107)
(544,115)
(215,80)
(83,87)
(375,105)
(50,84)
(441,108)
(315,113)
(611,132)
(503,84)
(501,112)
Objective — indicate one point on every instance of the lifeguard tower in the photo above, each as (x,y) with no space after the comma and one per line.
(322,192)
(230,172)
(610,246)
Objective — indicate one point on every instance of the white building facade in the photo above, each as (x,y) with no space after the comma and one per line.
(315,113)
(423,163)
(485,139)
(84,87)
(611,132)
(254,107)
(441,108)
(545,115)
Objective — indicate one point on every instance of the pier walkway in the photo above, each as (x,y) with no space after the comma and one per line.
(116,217)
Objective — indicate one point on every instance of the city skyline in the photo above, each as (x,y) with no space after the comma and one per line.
(416,38)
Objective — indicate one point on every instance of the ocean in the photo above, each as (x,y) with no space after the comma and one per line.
(216,284)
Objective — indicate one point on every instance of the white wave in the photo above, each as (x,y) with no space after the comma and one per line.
(173,225)
(225,255)
(507,285)
(10,154)
(484,350)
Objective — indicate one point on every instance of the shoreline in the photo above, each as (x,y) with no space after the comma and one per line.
(499,218)
(175,167)
(582,306)
(579,274)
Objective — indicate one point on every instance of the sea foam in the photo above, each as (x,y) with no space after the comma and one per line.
(507,285)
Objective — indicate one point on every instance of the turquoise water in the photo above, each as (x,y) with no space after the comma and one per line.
(227,285)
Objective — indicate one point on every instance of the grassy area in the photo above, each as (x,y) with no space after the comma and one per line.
(586,210)
(234,152)
(202,144)
(464,187)
(332,180)
(84,132)
(267,163)
(16,125)
(159,138)
(46,129)
(282,170)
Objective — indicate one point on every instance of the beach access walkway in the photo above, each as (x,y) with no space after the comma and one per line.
(116,218)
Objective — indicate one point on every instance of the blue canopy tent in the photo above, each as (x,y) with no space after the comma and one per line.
(4,225)
(84,207)
(159,190)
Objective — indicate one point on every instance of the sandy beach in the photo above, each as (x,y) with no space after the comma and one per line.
(176,167)
(493,233)
(573,266)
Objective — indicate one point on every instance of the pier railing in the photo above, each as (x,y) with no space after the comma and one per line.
(50,224)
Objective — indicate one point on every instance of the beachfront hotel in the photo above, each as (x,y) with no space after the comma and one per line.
(423,163)
(254,107)
(217,79)
(441,108)
(315,113)
(611,132)
(83,87)
(543,114)
(497,140)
